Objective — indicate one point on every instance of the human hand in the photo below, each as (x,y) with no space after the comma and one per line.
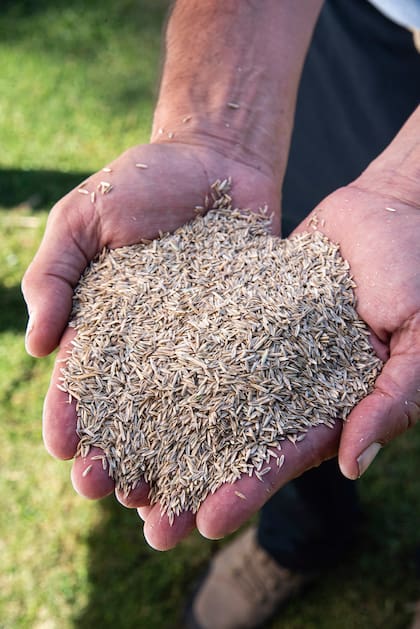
(238,99)
(141,203)
(378,229)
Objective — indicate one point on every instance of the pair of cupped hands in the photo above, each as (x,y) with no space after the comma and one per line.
(381,245)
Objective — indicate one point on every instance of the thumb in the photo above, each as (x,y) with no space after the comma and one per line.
(392,408)
(69,242)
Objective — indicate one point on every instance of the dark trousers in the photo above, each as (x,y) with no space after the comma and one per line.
(361,81)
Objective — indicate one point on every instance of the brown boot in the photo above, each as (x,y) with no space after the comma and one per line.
(243,588)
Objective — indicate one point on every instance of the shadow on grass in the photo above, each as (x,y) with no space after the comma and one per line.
(131,585)
(35,188)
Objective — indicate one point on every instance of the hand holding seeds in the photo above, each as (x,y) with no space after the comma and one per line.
(376,220)
(149,189)
(378,228)
(199,355)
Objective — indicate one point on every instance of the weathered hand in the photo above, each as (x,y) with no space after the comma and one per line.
(376,221)
(240,101)
(141,203)
(379,233)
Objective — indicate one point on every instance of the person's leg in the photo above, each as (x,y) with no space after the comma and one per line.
(310,522)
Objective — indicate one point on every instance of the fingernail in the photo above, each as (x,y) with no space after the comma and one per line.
(367,456)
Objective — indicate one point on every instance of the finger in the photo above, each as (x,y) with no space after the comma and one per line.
(392,408)
(90,476)
(69,242)
(143,512)
(230,506)
(160,534)
(136,498)
(59,416)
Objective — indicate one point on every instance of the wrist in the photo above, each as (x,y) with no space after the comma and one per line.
(395,172)
(226,130)
(233,85)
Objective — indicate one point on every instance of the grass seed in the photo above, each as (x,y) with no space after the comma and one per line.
(197,354)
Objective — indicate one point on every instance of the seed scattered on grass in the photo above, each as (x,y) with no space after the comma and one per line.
(140,165)
(197,354)
(83,191)
(233,105)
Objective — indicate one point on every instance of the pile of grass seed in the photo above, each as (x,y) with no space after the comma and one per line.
(198,353)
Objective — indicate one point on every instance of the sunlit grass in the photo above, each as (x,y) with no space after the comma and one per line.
(79,81)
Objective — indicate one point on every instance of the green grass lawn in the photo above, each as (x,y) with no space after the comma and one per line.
(77,86)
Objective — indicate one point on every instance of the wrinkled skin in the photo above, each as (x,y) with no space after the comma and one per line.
(383,251)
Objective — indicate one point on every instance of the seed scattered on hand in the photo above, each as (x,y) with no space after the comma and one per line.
(197,354)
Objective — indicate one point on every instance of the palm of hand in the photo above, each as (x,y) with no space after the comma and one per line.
(164,195)
(379,236)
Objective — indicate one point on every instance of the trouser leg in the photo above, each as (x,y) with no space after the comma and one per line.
(312,520)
